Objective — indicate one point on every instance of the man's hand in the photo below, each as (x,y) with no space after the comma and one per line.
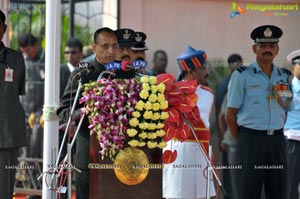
(231,119)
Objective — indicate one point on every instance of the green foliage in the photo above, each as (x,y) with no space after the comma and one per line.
(20,24)
(217,71)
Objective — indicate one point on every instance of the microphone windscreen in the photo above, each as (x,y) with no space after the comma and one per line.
(124,66)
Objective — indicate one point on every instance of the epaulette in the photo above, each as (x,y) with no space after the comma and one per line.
(241,68)
(207,88)
(284,70)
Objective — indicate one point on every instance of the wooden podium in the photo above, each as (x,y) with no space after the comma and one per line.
(105,185)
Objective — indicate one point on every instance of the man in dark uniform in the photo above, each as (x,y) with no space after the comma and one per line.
(12,114)
(125,38)
(256,116)
(33,101)
(105,47)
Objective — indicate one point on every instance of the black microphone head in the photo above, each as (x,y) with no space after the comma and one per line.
(91,68)
(85,68)
(83,64)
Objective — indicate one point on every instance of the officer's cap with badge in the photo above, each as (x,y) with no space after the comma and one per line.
(294,57)
(125,37)
(140,44)
(266,34)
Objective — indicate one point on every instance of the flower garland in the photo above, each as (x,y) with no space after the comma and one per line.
(182,100)
(109,105)
(147,122)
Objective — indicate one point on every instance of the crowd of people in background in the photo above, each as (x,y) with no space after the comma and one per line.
(258,126)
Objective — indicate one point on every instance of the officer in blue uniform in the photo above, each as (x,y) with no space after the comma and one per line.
(292,129)
(256,115)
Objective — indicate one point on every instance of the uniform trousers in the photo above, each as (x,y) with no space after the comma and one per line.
(293,157)
(82,184)
(264,162)
(8,164)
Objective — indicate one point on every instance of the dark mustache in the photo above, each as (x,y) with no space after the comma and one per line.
(265,53)
(125,56)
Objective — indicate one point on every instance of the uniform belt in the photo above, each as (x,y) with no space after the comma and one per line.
(261,132)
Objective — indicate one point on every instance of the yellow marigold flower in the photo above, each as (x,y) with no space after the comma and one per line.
(161,87)
(133,122)
(164,115)
(154,88)
(160,133)
(131,132)
(146,86)
(152,136)
(151,145)
(160,97)
(146,125)
(143,135)
(144,79)
(148,114)
(136,114)
(141,144)
(152,97)
(155,116)
(148,105)
(152,126)
(162,145)
(159,125)
(142,126)
(153,80)
(144,94)
(164,105)
(140,105)
(155,106)
(133,143)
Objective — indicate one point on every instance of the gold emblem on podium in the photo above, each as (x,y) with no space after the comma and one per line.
(132,166)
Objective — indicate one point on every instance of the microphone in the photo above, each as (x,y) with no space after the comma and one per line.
(113,66)
(116,65)
(126,66)
(86,69)
(139,63)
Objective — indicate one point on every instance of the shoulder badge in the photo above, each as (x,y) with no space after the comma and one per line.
(207,88)
(241,68)
(284,70)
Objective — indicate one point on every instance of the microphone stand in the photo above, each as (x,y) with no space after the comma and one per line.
(210,167)
(70,146)
(67,158)
(63,141)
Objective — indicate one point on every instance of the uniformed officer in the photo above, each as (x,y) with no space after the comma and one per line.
(125,38)
(139,48)
(292,129)
(12,114)
(256,116)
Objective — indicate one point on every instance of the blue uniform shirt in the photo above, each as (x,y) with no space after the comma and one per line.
(249,91)
(293,119)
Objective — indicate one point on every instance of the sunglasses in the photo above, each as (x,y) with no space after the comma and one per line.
(71,52)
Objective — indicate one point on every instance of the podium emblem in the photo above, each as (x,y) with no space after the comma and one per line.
(132,166)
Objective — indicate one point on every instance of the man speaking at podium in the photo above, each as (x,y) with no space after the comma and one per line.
(105,47)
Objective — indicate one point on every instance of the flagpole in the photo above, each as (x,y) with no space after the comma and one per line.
(51,100)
